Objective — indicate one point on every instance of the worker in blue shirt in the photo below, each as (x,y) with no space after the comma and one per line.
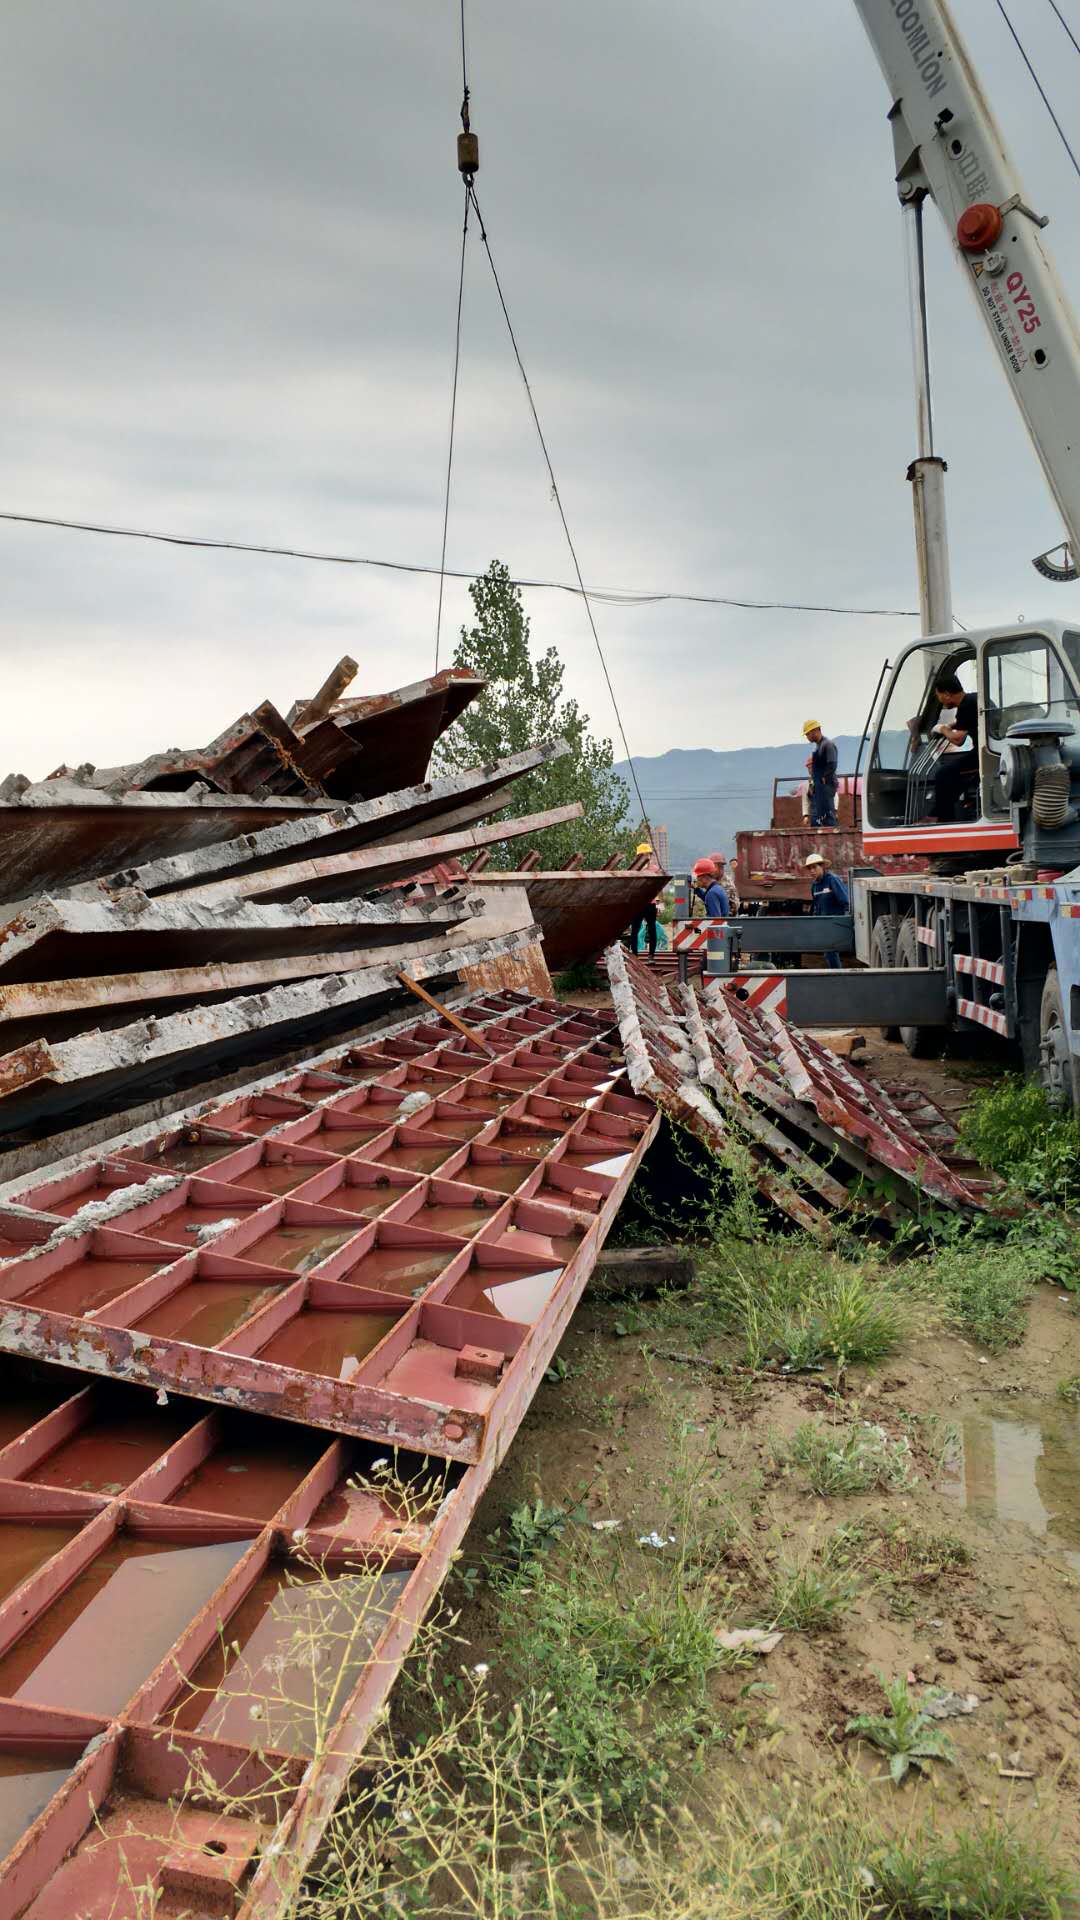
(828,894)
(821,767)
(712,895)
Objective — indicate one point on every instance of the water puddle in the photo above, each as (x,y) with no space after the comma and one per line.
(513,1296)
(189,1226)
(251,1479)
(25,1546)
(1021,1462)
(461,1129)
(298,1249)
(74,1657)
(204,1312)
(277,1176)
(328,1342)
(419,1159)
(108,1454)
(190,1153)
(289,1658)
(90,1284)
(493,1178)
(406,1270)
(26,1787)
(442,1217)
(368,1202)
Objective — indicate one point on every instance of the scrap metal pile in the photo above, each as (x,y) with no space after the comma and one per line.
(816,1134)
(283,1258)
(258,1366)
(215,907)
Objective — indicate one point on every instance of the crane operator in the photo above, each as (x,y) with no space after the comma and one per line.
(954,769)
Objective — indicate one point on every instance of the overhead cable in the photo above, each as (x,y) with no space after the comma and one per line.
(453,396)
(1039,85)
(557,497)
(615,597)
(1065,24)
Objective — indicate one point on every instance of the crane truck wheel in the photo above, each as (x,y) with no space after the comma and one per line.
(883,954)
(1058,1069)
(919,1041)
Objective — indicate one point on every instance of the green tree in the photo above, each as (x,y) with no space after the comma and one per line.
(523,706)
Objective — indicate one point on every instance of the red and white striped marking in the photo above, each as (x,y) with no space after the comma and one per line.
(943,838)
(689,935)
(1071,910)
(982,969)
(765,991)
(927,936)
(983,1016)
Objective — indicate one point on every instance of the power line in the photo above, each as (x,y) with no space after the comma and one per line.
(453,387)
(1041,89)
(557,497)
(615,597)
(1065,24)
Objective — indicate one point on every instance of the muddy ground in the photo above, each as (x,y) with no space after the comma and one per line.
(996,1457)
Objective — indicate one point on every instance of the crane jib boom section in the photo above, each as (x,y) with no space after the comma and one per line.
(949,146)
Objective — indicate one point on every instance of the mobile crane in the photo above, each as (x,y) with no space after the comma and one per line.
(972,941)
(1003,948)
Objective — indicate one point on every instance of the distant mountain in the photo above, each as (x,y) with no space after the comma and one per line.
(702,797)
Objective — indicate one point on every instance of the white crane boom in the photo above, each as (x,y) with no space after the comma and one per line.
(948,145)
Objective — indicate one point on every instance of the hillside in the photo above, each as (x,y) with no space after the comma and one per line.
(702,796)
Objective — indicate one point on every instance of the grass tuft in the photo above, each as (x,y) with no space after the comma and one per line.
(858,1459)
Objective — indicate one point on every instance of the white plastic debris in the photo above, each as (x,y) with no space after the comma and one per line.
(656,1540)
(755,1639)
(948,1706)
(608,1526)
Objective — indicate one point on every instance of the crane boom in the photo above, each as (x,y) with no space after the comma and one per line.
(948,146)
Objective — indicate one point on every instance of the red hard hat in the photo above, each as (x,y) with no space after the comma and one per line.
(702,867)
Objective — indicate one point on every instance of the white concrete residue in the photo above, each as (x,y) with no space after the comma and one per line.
(99,1213)
(201,1235)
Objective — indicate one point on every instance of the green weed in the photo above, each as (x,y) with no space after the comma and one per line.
(810,1596)
(582,977)
(795,1307)
(1013,1129)
(906,1733)
(1069,1389)
(982,1290)
(857,1459)
(986,1872)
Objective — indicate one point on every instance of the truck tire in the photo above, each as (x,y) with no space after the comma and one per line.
(883,954)
(1058,1069)
(920,1042)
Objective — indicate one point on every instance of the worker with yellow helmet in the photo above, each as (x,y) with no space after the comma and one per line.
(647,916)
(821,766)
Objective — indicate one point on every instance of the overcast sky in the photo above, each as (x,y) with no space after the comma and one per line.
(231,234)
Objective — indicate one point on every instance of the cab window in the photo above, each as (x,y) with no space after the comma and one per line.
(1024,680)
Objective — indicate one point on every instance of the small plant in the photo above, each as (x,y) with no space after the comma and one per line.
(985,1872)
(1069,1389)
(805,1597)
(907,1733)
(533,1528)
(582,977)
(982,1289)
(857,1460)
(1013,1129)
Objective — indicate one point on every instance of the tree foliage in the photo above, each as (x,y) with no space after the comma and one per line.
(523,706)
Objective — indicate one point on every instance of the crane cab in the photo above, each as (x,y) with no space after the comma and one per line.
(1015,785)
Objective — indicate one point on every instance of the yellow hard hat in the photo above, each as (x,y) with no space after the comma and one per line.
(644,848)
(811,726)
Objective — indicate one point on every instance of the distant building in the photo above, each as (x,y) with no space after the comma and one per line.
(661,848)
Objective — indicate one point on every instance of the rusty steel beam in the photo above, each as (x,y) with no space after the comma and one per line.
(440,805)
(580,912)
(661,1064)
(128,1053)
(338,875)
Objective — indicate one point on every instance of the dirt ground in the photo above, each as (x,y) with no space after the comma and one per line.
(996,1455)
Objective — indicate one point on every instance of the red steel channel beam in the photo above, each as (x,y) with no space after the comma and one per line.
(554,1087)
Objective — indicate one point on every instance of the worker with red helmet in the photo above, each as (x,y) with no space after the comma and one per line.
(727,879)
(708,888)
